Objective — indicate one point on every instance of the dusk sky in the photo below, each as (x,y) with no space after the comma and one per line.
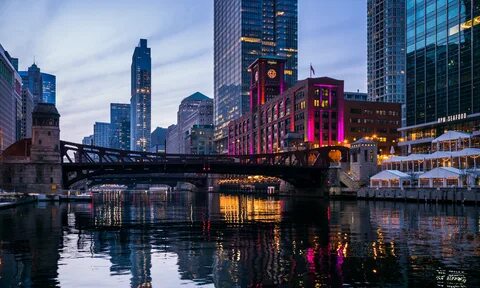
(88,45)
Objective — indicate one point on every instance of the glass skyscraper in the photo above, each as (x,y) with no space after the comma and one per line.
(101,134)
(10,102)
(120,126)
(33,80)
(386,50)
(49,88)
(443,69)
(141,102)
(41,85)
(244,30)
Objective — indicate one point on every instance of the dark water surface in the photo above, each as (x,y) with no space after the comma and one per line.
(175,239)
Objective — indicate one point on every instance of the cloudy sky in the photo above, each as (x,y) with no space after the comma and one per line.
(88,45)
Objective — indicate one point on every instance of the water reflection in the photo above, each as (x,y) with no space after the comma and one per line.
(172,239)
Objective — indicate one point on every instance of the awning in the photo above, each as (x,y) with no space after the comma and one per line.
(439,155)
(466,152)
(451,135)
(443,173)
(390,175)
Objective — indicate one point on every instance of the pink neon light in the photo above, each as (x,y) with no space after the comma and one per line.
(340,116)
(311,127)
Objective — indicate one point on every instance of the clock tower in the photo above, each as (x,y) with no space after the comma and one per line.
(267,81)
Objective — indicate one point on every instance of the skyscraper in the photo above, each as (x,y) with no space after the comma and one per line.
(10,101)
(243,31)
(443,70)
(41,85)
(196,109)
(386,50)
(141,102)
(120,126)
(48,88)
(101,134)
(33,80)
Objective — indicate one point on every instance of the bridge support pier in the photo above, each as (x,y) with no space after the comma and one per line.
(286,187)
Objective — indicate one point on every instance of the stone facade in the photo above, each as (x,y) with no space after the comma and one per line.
(363,160)
(33,165)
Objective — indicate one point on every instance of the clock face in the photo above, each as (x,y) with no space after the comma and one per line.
(272,73)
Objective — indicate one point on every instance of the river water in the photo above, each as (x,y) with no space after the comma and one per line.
(139,239)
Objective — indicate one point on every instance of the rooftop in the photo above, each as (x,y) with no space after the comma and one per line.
(197,96)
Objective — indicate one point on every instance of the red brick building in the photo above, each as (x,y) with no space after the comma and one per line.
(311,110)
(312,113)
(378,121)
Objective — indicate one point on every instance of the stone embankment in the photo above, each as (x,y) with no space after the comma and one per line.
(458,195)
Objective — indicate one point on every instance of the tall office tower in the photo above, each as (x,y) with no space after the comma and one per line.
(443,70)
(27,110)
(386,50)
(196,109)
(120,126)
(10,95)
(33,80)
(48,88)
(101,134)
(243,31)
(141,102)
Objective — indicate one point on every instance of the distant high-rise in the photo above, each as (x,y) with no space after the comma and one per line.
(48,88)
(140,101)
(33,80)
(120,126)
(159,135)
(196,109)
(243,31)
(41,85)
(101,134)
(172,139)
(87,140)
(386,50)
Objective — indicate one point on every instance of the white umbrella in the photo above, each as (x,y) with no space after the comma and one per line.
(392,150)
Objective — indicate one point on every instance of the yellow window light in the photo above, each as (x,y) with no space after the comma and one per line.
(250,40)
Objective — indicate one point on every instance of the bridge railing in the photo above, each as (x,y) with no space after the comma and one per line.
(88,154)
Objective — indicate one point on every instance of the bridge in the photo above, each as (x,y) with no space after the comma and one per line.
(301,168)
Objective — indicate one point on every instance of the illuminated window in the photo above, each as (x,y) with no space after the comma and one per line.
(316,103)
(324,103)
(325,92)
(302,105)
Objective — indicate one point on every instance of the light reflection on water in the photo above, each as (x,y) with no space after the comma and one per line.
(185,239)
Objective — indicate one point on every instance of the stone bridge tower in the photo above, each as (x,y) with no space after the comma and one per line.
(45,150)
(33,165)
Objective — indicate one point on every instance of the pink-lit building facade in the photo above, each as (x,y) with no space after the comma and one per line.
(311,113)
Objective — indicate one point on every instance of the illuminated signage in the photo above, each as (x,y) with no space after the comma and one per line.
(452,118)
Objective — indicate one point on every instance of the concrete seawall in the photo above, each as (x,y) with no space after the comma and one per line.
(462,195)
